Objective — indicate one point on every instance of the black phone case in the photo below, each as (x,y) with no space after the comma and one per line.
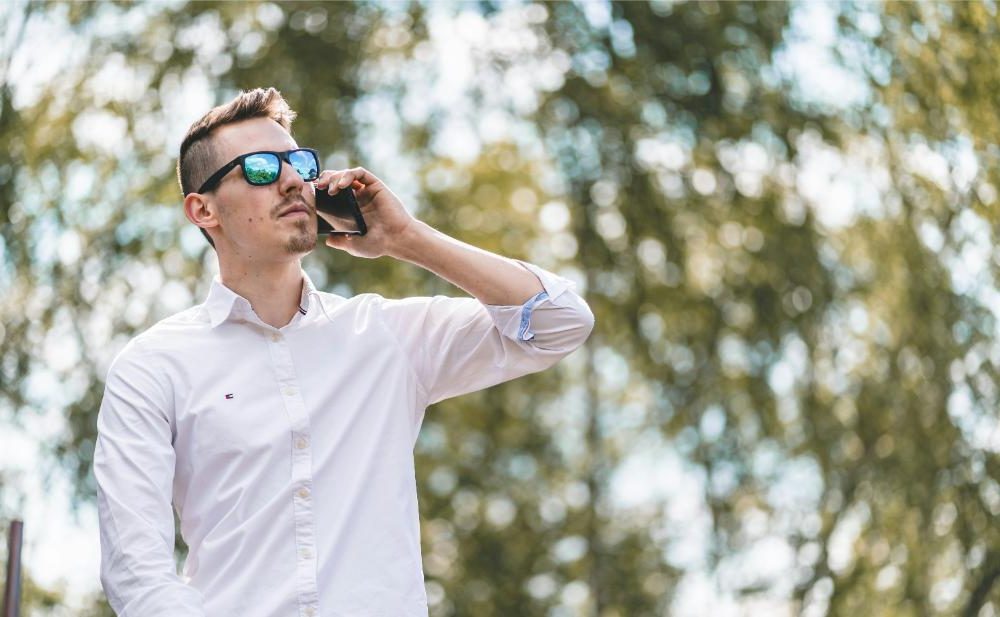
(344,204)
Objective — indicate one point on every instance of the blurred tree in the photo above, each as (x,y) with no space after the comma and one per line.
(833,378)
(927,476)
(675,134)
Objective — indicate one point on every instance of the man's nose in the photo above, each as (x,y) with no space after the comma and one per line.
(289,178)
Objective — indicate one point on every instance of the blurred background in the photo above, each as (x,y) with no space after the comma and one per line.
(782,214)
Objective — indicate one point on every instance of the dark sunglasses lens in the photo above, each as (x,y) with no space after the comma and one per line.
(261,168)
(304,162)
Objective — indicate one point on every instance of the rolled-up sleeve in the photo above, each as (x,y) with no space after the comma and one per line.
(459,345)
(134,469)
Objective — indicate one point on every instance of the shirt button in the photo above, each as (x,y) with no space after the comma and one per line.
(306,553)
(310,611)
(304,493)
(289,391)
(301,443)
(275,337)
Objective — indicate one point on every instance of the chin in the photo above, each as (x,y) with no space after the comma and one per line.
(304,240)
(301,244)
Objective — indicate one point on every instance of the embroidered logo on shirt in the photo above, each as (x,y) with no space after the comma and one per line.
(229,396)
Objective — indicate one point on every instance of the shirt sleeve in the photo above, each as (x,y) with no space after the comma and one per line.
(134,469)
(459,345)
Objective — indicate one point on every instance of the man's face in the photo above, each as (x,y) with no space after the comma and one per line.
(254,220)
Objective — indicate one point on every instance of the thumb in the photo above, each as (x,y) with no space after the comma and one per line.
(339,242)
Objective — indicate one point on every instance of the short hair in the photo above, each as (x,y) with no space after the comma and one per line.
(198,156)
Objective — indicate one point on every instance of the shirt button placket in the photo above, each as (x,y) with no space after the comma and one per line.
(305,539)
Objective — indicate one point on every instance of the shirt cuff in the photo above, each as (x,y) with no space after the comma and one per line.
(523,332)
(514,321)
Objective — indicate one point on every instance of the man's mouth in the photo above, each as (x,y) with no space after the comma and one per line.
(296,210)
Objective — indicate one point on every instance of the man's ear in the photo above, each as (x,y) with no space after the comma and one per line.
(200,211)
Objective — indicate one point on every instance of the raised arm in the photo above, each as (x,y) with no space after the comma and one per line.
(490,278)
(523,319)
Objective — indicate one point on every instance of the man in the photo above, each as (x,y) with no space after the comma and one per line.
(280,421)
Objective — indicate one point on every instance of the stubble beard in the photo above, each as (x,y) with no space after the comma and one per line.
(302,241)
(304,238)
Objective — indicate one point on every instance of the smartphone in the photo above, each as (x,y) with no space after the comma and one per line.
(339,215)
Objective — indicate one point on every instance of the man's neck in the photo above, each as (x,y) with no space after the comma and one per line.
(273,289)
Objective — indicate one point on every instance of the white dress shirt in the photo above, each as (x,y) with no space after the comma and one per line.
(288,452)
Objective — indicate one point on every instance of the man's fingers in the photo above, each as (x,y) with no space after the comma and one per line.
(328,180)
(355,177)
(357,174)
(325,177)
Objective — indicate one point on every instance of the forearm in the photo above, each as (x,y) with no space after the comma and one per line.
(138,572)
(490,278)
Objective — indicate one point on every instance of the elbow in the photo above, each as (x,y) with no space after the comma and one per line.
(588,324)
(572,334)
(584,327)
(584,318)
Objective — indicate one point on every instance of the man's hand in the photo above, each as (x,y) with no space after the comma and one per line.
(387,220)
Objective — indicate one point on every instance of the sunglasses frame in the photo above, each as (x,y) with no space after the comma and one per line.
(285,156)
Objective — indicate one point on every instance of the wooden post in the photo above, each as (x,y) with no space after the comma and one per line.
(12,590)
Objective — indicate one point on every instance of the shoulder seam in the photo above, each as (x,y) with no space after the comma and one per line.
(402,352)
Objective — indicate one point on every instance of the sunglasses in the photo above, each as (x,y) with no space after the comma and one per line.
(264,167)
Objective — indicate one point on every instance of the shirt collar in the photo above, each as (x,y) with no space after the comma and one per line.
(305,301)
(223,303)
